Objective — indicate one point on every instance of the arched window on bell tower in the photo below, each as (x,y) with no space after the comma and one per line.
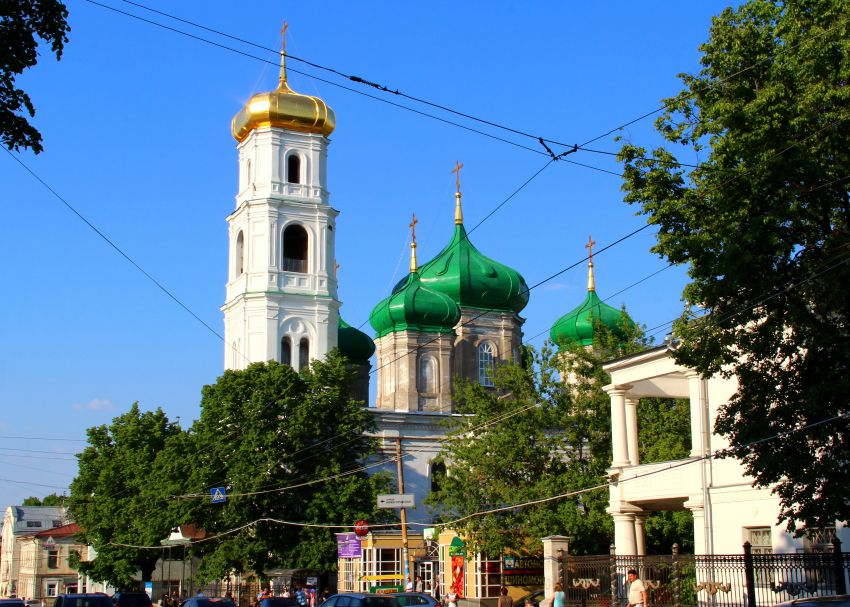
(295,243)
(293,169)
(286,351)
(239,262)
(303,353)
(486,358)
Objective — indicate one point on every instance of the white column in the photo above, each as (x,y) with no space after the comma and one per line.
(697,406)
(551,566)
(640,533)
(695,505)
(624,533)
(619,442)
(632,430)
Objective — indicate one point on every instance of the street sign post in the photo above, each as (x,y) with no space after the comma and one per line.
(396,500)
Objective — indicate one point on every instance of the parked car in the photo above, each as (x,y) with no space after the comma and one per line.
(207,601)
(414,598)
(278,601)
(12,603)
(535,596)
(838,600)
(90,599)
(131,599)
(361,599)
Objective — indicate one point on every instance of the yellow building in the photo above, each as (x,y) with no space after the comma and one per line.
(45,570)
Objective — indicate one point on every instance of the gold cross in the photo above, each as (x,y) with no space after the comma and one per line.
(283,35)
(456,171)
(412,225)
(336,267)
(589,247)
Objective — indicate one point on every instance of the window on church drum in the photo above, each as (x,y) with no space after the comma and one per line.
(240,254)
(486,355)
(303,353)
(295,249)
(293,169)
(427,375)
(286,351)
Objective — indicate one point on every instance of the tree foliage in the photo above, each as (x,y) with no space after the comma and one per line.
(49,500)
(22,24)
(267,434)
(535,436)
(764,224)
(112,499)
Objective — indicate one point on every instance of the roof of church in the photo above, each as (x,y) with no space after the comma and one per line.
(353,343)
(413,306)
(284,108)
(471,278)
(577,326)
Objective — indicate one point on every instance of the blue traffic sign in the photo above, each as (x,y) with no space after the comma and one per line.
(218,495)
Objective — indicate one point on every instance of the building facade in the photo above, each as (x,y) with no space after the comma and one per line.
(21,522)
(45,569)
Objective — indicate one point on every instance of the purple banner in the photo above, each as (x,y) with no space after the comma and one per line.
(347,546)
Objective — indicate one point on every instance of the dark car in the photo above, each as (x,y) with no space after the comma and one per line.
(208,601)
(534,596)
(278,601)
(361,599)
(12,603)
(838,600)
(414,598)
(131,599)
(91,599)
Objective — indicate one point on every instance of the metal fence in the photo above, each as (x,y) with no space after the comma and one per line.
(738,580)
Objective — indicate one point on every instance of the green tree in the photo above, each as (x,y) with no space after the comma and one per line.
(535,436)
(764,224)
(49,500)
(267,434)
(22,24)
(112,500)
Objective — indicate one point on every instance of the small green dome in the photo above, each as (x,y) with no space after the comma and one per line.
(355,345)
(577,325)
(472,279)
(415,307)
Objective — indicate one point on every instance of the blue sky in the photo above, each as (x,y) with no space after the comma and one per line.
(136,123)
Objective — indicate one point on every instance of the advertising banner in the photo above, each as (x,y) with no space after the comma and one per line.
(523,571)
(347,546)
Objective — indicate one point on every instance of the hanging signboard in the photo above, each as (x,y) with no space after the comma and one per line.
(522,571)
(348,546)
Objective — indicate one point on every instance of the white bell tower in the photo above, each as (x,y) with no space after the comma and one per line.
(281,301)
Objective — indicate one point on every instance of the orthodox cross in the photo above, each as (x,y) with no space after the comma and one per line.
(412,225)
(456,171)
(589,247)
(283,35)
(336,267)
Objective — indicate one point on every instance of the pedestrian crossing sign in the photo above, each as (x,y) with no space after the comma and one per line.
(218,495)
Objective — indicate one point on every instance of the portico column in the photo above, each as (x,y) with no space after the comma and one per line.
(640,533)
(632,430)
(697,407)
(695,505)
(624,533)
(619,442)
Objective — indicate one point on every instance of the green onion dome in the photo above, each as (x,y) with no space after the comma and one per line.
(355,345)
(413,306)
(578,325)
(472,279)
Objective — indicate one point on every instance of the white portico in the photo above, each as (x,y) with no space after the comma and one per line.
(727,509)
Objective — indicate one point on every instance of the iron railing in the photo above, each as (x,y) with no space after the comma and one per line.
(732,580)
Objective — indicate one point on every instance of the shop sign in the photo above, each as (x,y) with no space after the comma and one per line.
(348,546)
(522,571)
(457,548)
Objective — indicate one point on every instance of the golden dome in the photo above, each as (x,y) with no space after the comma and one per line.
(284,108)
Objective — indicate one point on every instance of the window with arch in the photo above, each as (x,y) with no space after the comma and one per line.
(427,375)
(486,358)
(438,474)
(303,353)
(295,249)
(239,262)
(293,169)
(248,172)
(286,351)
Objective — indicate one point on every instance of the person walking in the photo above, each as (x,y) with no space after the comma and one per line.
(504,599)
(558,599)
(451,597)
(419,585)
(638,596)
